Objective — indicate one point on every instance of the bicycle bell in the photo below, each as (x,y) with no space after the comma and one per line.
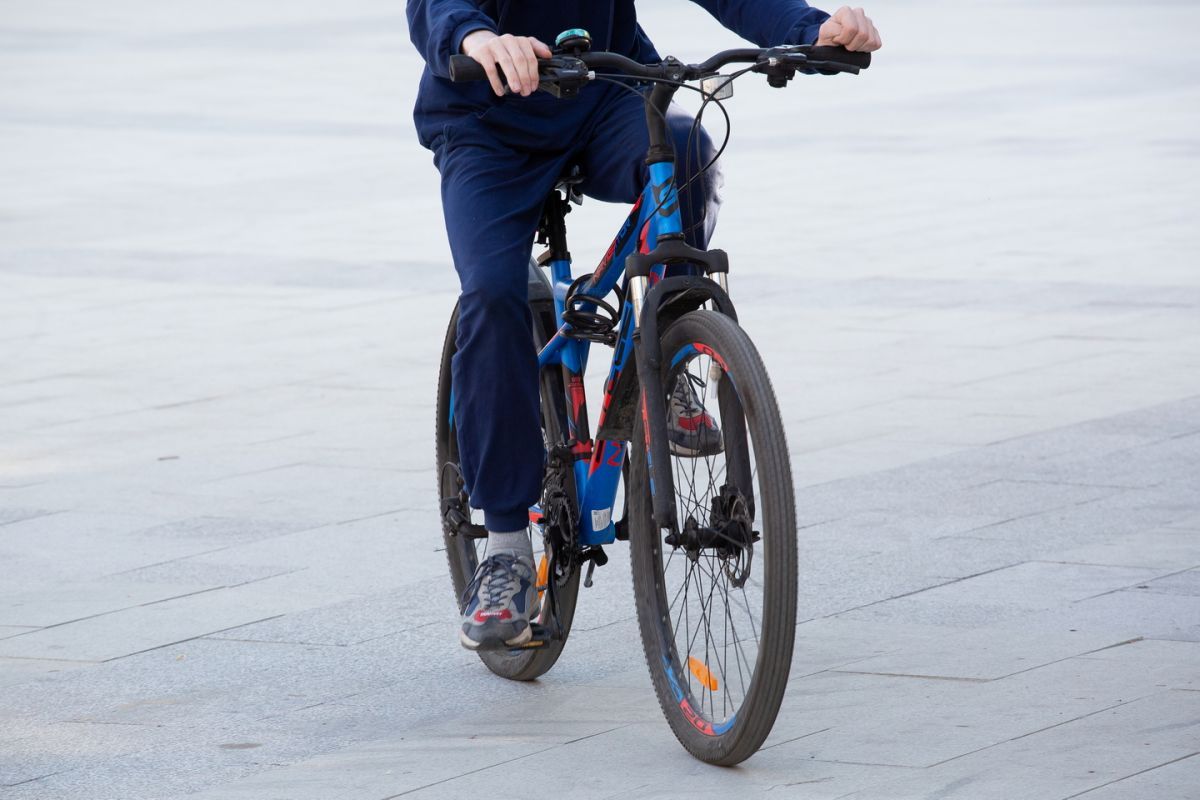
(573,41)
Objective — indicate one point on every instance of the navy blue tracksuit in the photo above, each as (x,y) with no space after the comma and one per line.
(499,158)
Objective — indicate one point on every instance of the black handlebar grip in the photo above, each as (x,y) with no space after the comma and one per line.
(465,68)
(840,55)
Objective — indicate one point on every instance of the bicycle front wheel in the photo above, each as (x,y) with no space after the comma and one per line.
(718,614)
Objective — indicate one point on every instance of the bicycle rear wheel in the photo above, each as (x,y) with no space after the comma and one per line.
(717,600)
(464,554)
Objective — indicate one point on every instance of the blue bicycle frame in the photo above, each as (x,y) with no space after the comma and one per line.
(598,464)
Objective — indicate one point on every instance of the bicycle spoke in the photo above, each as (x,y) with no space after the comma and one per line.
(738,653)
(708,633)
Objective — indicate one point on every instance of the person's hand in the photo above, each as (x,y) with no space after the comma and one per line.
(516,55)
(850,28)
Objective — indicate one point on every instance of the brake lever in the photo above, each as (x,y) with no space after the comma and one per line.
(832,67)
(825,66)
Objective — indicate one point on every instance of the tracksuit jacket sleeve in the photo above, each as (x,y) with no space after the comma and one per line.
(437,28)
(768,22)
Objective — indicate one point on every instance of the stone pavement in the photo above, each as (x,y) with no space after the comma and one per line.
(972,272)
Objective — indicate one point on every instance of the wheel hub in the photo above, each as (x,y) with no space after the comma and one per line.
(729,534)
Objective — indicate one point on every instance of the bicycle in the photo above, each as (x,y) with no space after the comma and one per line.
(702,530)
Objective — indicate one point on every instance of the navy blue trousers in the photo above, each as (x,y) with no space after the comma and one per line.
(497,169)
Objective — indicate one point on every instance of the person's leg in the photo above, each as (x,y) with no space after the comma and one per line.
(492,198)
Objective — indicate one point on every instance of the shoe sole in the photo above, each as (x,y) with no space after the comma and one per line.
(687,452)
(498,644)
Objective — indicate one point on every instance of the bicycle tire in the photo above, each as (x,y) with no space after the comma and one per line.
(771,506)
(462,553)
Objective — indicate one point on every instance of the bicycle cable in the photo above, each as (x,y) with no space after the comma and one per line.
(709,97)
(594,326)
(613,78)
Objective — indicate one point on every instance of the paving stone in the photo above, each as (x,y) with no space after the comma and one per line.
(210,573)
(1070,758)
(1173,780)
(1165,664)
(379,770)
(8,515)
(1128,614)
(122,758)
(354,621)
(75,545)
(60,748)
(1145,547)
(12,630)
(327,494)
(220,530)
(72,601)
(353,558)
(864,725)
(1007,593)
(1185,583)
(146,627)
(944,651)
(17,671)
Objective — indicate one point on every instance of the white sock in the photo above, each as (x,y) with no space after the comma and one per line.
(516,542)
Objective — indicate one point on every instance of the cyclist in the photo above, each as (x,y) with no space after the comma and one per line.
(500,150)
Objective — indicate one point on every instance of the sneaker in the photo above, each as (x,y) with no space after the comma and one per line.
(690,428)
(502,600)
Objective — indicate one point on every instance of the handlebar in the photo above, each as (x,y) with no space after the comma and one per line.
(778,63)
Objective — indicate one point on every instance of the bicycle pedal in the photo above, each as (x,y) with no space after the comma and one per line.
(531,644)
(540,637)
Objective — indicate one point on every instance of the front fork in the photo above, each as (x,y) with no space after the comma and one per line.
(654,414)
(648,354)
(665,224)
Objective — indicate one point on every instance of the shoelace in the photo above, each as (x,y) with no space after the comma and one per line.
(496,576)
(685,392)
